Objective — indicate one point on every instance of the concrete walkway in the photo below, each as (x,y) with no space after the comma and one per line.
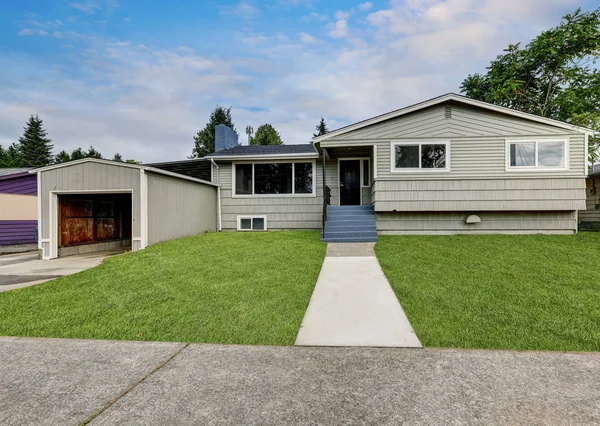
(68,382)
(25,269)
(353,303)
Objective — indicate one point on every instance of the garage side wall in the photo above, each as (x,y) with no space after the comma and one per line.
(179,208)
(89,178)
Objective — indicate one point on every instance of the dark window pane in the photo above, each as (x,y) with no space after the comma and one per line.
(304,178)
(243,179)
(433,156)
(407,156)
(258,223)
(366,173)
(275,178)
(522,154)
(246,223)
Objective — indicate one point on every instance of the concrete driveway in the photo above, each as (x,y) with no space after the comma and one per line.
(25,269)
(56,381)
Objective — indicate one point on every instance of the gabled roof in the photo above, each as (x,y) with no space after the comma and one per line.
(265,151)
(455,98)
(12,172)
(121,164)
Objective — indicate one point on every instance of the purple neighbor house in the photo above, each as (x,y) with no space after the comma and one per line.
(18,206)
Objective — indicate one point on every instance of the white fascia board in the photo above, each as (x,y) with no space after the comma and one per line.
(265,157)
(178,176)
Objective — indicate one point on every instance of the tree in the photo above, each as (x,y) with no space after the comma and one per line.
(204,141)
(92,153)
(35,148)
(266,135)
(78,154)
(10,157)
(62,157)
(553,76)
(130,161)
(249,132)
(321,128)
(117,157)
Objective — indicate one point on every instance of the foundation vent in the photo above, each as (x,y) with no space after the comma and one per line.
(448,112)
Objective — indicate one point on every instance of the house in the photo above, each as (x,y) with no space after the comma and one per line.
(444,166)
(590,217)
(18,206)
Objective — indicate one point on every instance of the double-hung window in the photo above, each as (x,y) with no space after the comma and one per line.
(277,178)
(536,154)
(420,156)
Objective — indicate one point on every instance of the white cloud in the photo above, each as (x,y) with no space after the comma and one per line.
(307,38)
(340,15)
(339,29)
(85,7)
(242,10)
(363,7)
(314,16)
(33,32)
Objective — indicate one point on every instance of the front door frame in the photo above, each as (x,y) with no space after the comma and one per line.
(361,166)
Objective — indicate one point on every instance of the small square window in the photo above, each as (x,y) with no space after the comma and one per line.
(407,156)
(252,223)
(246,223)
(258,223)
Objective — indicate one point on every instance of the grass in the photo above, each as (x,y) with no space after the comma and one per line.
(245,288)
(498,291)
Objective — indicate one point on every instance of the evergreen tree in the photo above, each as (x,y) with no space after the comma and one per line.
(266,135)
(117,157)
(204,141)
(5,158)
(62,157)
(321,128)
(35,148)
(92,153)
(78,154)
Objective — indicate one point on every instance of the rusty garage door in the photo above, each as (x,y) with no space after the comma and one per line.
(94,218)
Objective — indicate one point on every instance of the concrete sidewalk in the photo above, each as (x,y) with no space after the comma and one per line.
(67,382)
(353,304)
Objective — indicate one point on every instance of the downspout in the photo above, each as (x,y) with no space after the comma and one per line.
(219,228)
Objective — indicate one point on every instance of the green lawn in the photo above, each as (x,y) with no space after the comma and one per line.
(498,291)
(248,288)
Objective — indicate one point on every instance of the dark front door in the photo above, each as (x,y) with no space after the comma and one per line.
(349,182)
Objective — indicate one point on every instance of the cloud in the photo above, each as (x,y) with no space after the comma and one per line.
(339,29)
(340,15)
(87,7)
(315,17)
(33,32)
(363,7)
(242,10)
(306,38)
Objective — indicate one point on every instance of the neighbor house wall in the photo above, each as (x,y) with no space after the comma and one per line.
(590,217)
(18,209)
(283,212)
(179,208)
(86,178)
(477,179)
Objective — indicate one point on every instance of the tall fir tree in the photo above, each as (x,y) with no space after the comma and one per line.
(118,157)
(62,157)
(321,128)
(78,154)
(35,147)
(266,135)
(204,141)
(93,153)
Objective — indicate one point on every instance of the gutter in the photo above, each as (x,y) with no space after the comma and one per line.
(219,227)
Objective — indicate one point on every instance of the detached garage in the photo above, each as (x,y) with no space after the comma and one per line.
(95,205)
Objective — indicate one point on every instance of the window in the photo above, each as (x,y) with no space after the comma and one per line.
(366,173)
(545,154)
(420,156)
(252,223)
(291,178)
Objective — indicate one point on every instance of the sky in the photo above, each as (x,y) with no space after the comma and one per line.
(141,77)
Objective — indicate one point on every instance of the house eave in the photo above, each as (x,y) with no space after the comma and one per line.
(264,157)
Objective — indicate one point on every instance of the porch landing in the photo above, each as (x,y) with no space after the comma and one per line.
(353,304)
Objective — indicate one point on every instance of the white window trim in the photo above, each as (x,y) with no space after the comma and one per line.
(395,169)
(239,222)
(536,167)
(293,194)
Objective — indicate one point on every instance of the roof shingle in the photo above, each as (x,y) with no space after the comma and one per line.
(257,150)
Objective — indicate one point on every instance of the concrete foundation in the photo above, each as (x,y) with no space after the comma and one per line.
(92,248)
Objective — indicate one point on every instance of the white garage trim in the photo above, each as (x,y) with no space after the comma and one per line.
(143,209)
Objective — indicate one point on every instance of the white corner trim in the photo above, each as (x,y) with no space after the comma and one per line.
(143,209)
(374,162)
(39,210)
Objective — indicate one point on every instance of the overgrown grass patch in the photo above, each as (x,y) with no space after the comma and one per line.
(245,288)
(498,291)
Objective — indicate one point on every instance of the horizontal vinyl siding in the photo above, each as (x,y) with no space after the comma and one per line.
(285,212)
(479,195)
(491,222)
(17,231)
(25,185)
(591,213)
(179,208)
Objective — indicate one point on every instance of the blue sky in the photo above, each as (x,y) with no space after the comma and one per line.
(141,77)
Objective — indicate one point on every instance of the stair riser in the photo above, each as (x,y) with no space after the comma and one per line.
(349,240)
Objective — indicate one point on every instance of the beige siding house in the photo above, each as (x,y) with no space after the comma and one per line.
(448,165)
